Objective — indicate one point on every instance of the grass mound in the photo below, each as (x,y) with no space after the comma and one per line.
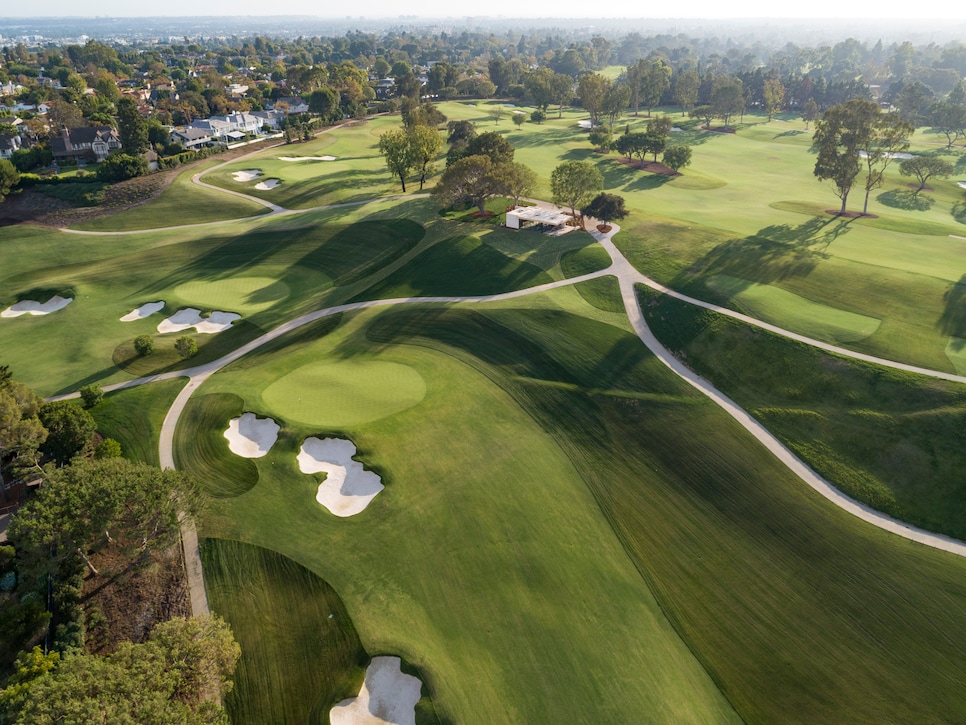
(300,652)
(459,266)
(202,449)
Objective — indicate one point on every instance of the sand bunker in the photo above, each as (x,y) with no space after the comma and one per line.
(190,317)
(348,488)
(248,175)
(145,310)
(306,158)
(388,695)
(251,437)
(892,155)
(962,184)
(585,124)
(267,184)
(29,307)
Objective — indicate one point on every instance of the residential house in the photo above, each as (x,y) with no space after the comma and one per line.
(292,104)
(386,88)
(190,137)
(271,118)
(90,143)
(9,144)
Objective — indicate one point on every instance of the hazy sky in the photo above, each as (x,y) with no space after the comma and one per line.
(865,9)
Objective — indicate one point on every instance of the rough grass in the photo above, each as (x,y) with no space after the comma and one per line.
(300,651)
(202,449)
(133,417)
(888,438)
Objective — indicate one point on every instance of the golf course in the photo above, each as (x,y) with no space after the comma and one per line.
(703,466)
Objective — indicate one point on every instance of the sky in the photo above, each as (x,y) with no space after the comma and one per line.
(863,9)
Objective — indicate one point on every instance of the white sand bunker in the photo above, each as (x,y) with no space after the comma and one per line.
(267,184)
(962,184)
(306,158)
(347,488)
(388,695)
(30,307)
(586,123)
(247,175)
(145,310)
(891,155)
(190,317)
(251,437)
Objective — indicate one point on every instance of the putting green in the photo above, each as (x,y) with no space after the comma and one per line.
(781,307)
(345,393)
(246,295)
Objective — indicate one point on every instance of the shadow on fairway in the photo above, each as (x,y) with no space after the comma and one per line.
(786,134)
(952,322)
(776,252)
(906,199)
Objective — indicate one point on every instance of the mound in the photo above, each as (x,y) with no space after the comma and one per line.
(348,487)
(30,307)
(145,310)
(388,695)
(251,437)
(190,317)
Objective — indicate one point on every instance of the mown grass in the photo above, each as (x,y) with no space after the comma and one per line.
(202,450)
(133,418)
(887,438)
(797,611)
(300,651)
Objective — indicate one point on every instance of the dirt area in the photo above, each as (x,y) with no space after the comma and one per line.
(127,599)
(655,167)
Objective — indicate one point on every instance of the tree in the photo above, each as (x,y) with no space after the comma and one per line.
(606,207)
(841,132)
(519,119)
(496,113)
(677,157)
(120,166)
(131,126)
(948,117)
(9,178)
(323,102)
(925,168)
(773,96)
(563,91)
(538,116)
(889,136)
(686,85)
(472,179)
(21,430)
(911,100)
(809,112)
(70,430)
(91,395)
(592,89)
(704,112)
(574,183)
(108,448)
(186,347)
(652,143)
(493,145)
(538,85)
(167,679)
(425,143)
(518,180)
(655,80)
(600,138)
(395,148)
(460,132)
(615,101)
(143,345)
(727,97)
(92,504)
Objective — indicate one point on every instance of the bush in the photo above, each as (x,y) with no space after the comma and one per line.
(108,448)
(186,347)
(143,345)
(91,395)
(538,116)
(121,167)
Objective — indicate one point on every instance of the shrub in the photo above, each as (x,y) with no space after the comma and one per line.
(91,395)
(186,347)
(121,166)
(108,448)
(143,345)
(538,116)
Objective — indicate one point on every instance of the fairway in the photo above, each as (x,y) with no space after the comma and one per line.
(246,295)
(335,394)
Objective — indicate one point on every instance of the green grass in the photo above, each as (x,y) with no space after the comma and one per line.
(888,438)
(181,202)
(461,265)
(300,652)
(202,449)
(773,304)
(335,394)
(133,417)
(246,295)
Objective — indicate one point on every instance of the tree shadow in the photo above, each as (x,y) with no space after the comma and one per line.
(952,322)
(906,199)
(786,134)
(774,253)
(959,211)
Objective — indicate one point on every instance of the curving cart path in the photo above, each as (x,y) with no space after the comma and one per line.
(627,276)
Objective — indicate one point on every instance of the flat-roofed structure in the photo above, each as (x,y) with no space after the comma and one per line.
(520,216)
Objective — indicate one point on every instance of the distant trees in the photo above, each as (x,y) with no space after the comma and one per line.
(574,183)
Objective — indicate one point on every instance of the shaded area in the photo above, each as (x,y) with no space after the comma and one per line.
(952,322)
(300,651)
(906,199)
(201,449)
(458,266)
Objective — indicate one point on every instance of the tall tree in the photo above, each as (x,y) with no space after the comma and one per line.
(773,96)
(606,207)
(563,91)
(592,89)
(519,180)
(840,134)
(574,183)
(425,143)
(615,102)
(323,102)
(809,112)
(493,145)
(655,80)
(925,168)
(131,127)
(727,97)
(889,137)
(395,148)
(21,432)
(70,430)
(472,179)
(686,85)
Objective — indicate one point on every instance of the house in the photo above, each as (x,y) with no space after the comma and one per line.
(214,127)
(272,119)
(292,104)
(190,137)
(91,143)
(386,88)
(9,144)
